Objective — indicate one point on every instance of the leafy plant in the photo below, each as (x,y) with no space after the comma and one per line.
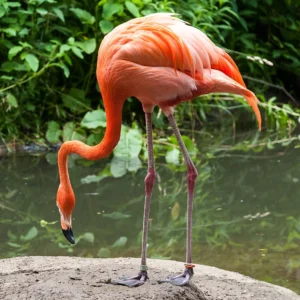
(49,52)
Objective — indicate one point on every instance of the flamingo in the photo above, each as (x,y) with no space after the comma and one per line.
(162,61)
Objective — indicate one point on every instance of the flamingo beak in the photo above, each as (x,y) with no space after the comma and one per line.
(68,233)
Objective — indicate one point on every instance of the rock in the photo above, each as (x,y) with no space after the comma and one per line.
(61,277)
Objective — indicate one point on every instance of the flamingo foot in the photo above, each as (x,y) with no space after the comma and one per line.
(182,279)
(133,281)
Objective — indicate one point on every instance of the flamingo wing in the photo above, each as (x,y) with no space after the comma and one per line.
(162,58)
(163,40)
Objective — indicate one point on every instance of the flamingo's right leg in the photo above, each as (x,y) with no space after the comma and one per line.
(149,183)
(192,174)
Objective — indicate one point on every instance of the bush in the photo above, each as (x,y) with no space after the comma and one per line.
(49,52)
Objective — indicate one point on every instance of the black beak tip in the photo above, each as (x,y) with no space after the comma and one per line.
(68,233)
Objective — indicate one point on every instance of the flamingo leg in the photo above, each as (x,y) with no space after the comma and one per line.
(192,174)
(149,183)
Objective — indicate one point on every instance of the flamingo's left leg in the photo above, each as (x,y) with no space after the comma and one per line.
(192,174)
(149,183)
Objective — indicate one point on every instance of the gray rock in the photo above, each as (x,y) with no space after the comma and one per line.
(87,278)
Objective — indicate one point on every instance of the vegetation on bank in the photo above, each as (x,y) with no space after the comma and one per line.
(48,55)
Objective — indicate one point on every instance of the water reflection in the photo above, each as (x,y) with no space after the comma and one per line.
(246,212)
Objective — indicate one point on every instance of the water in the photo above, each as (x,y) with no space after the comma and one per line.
(246,215)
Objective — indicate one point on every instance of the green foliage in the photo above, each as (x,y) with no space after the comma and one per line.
(49,54)
(172,156)
(31,234)
(271,32)
(121,242)
(126,153)
(94,119)
(40,50)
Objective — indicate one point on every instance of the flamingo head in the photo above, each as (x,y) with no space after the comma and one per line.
(65,201)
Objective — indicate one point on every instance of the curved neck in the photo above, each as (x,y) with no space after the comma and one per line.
(111,138)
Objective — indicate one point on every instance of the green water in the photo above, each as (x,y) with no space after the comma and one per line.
(246,213)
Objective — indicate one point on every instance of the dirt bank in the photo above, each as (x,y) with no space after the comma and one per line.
(86,278)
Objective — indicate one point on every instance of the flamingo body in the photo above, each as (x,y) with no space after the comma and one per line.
(161,61)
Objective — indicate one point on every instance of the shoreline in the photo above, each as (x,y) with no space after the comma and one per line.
(37,277)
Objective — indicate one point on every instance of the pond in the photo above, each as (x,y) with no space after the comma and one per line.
(246,212)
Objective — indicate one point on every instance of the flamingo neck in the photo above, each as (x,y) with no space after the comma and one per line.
(103,149)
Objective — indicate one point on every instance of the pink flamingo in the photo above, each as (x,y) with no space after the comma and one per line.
(161,61)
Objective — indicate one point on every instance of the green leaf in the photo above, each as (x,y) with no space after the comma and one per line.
(14,51)
(14,245)
(77,52)
(5,77)
(243,23)
(13,4)
(109,9)
(126,152)
(31,234)
(9,31)
(134,140)
(146,12)
(10,194)
(63,48)
(66,70)
(25,45)
(104,253)
(71,40)
(41,11)
(53,133)
(23,32)
(68,131)
(2,11)
(94,119)
(84,16)
(130,143)
(93,178)
(106,26)
(32,61)
(11,100)
(67,59)
(76,101)
(118,166)
(192,149)
(116,216)
(88,46)
(30,107)
(59,13)
(10,20)
(121,242)
(94,139)
(79,135)
(134,164)
(89,237)
(175,211)
(133,9)
(172,156)
(11,236)
(9,66)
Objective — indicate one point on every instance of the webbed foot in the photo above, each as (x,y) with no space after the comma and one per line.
(182,279)
(133,281)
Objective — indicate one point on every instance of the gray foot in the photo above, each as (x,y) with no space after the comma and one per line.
(182,279)
(133,281)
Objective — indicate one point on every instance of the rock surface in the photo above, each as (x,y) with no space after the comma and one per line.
(86,278)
